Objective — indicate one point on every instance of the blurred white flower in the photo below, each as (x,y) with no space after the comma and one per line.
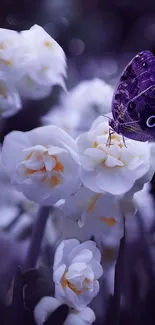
(10,102)
(43,66)
(112,168)
(10,47)
(44,308)
(97,214)
(91,97)
(42,163)
(80,106)
(145,203)
(9,195)
(70,123)
(8,214)
(84,317)
(77,269)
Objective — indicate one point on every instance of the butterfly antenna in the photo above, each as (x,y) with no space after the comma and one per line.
(98,111)
(106,116)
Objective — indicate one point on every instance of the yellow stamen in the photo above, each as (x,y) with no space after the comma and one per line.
(94,144)
(29,172)
(109,221)
(65,283)
(28,156)
(58,167)
(86,281)
(48,44)
(92,205)
(8,62)
(54,181)
(43,169)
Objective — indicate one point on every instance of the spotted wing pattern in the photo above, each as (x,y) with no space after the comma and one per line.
(138,76)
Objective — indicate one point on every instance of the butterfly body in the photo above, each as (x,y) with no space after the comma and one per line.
(133,105)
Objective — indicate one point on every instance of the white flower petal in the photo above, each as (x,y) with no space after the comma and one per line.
(45,307)
(57,275)
(112,162)
(84,256)
(84,317)
(62,251)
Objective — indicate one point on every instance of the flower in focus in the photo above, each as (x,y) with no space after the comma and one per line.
(77,269)
(112,168)
(95,214)
(10,102)
(84,317)
(43,66)
(41,163)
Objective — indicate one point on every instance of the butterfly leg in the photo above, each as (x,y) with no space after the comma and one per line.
(124,141)
(109,137)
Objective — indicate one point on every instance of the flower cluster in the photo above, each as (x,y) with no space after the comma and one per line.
(31,62)
(87,179)
(88,175)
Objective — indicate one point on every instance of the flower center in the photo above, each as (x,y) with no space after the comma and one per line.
(58,167)
(65,283)
(111,151)
(44,166)
(7,62)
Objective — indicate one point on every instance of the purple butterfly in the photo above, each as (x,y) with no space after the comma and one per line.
(133,105)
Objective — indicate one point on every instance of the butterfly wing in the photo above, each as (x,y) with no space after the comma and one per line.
(144,107)
(137,77)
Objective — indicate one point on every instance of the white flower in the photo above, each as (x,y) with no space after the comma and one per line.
(43,66)
(77,269)
(97,214)
(112,168)
(71,122)
(10,102)
(41,163)
(90,97)
(81,105)
(10,45)
(84,317)
(44,308)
